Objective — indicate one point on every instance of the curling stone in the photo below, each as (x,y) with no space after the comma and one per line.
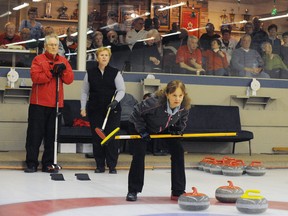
(228,194)
(232,169)
(216,167)
(194,201)
(255,168)
(203,162)
(252,203)
(207,164)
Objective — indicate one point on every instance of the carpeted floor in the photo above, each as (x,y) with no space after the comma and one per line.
(15,160)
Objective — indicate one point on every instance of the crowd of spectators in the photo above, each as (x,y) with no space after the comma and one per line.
(138,46)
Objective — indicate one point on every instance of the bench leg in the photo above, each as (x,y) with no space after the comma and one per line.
(250,152)
(233,149)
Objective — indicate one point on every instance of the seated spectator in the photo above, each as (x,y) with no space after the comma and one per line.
(206,38)
(216,61)
(284,48)
(145,56)
(248,28)
(47,31)
(8,37)
(70,45)
(36,29)
(247,62)
(273,38)
(93,42)
(120,57)
(228,43)
(148,24)
(136,33)
(273,63)
(25,59)
(189,57)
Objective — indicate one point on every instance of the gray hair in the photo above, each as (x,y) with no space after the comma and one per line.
(51,36)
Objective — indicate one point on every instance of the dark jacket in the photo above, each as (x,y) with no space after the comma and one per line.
(151,116)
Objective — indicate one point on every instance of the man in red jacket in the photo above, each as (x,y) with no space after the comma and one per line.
(45,69)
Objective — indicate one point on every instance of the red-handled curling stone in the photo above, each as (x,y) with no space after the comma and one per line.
(194,201)
(216,167)
(251,202)
(255,168)
(234,168)
(228,194)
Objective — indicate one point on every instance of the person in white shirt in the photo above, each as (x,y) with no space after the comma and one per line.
(137,33)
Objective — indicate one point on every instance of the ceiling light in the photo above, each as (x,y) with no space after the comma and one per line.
(5,14)
(37,0)
(21,6)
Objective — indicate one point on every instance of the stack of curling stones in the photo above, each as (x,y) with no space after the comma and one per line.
(255,168)
(251,202)
(194,201)
(230,167)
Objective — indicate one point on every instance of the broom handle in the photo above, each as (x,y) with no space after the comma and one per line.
(108,112)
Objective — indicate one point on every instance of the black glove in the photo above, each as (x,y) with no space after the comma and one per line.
(173,130)
(58,69)
(113,104)
(145,136)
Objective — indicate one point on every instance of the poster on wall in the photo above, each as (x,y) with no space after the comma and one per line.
(163,16)
(190,21)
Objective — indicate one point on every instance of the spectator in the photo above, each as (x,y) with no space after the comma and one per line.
(26,58)
(228,44)
(259,36)
(273,38)
(36,28)
(284,48)
(248,28)
(42,112)
(206,38)
(148,25)
(136,33)
(70,45)
(273,63)
(156,23)
(247,62)
(120,52)
(189,57)
(216,61)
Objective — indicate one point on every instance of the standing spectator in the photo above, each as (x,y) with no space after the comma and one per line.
(273,63)
(70,45)
(247,62)
(42,109)
(136,33)
(228,43)
(165,112)
(100,84)
(36,29)
(216,61)
(189,57)
(206,38)
(284,48)
(259,36)
(273,38)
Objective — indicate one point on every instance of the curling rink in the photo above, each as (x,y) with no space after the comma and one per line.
(35,194)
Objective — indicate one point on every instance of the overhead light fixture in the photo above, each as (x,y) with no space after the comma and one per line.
(170,34)
(274,17)
(21,6)
(37,0)
(172,6)
(5,14)
(196,29)
(141,15)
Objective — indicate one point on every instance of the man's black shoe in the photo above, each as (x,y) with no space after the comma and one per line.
(131,196)
(100,170)
(30,169)
(112,171)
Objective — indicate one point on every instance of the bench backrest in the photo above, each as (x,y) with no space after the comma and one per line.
(212,118)
(71,111)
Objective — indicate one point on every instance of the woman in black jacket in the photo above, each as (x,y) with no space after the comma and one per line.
(165,112)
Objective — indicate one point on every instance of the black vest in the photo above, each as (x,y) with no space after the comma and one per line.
(102,87)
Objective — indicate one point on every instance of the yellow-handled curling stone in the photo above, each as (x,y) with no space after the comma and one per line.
(251,202)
